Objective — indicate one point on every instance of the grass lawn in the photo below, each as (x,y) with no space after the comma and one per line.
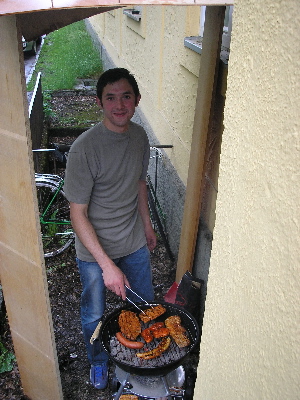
(67,54)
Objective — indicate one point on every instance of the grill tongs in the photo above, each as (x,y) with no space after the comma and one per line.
(96,332)
(132,302)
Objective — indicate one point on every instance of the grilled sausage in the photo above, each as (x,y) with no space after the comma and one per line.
(128,343)
(157,351)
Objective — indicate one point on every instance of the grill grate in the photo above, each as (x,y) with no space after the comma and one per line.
(128,356)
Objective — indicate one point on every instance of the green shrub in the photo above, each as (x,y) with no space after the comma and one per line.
(6,359)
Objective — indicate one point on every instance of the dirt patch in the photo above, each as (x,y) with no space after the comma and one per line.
(72,109)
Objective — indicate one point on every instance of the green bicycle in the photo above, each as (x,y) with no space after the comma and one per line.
(54,210)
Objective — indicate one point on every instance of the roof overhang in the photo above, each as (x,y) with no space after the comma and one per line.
(35,24)
(25,6)
(39,17)
(21,6)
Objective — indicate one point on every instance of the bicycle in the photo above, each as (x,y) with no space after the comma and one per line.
(54,209)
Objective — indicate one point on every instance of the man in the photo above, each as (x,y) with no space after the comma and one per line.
(105,183)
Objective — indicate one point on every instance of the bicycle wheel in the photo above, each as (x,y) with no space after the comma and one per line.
(54,210)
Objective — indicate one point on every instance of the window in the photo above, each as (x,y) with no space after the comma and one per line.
(195,42)
(133,13)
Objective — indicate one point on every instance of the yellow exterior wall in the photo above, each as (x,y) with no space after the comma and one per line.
(250,342)
(167,72)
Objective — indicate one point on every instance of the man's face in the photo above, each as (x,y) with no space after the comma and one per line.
(118,105)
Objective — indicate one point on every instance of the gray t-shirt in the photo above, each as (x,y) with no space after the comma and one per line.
(103,171)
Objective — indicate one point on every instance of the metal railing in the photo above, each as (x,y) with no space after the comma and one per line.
(156,211)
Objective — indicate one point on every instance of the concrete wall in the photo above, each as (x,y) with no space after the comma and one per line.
(167,73)
(250,340)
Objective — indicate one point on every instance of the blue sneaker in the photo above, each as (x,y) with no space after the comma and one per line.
(99,375)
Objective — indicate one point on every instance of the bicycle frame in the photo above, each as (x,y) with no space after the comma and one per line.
(44,220)
(54,211)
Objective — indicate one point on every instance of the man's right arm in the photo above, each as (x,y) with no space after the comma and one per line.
(113,277)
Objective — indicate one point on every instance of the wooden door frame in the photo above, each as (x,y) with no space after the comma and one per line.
(22,267)
(207,81)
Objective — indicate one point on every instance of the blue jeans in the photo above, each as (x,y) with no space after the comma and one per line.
(136,267)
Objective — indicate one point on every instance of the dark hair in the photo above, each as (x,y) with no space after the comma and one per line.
(113,75)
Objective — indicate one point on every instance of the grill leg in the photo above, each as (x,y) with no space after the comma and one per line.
(169,397)
(123,384)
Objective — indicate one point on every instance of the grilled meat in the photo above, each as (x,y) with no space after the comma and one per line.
(152,313)
(177,331)
(159,330)
(156,325)
(147,335)
(157,351)
(130,325)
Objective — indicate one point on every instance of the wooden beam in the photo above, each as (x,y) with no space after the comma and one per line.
(22,267)
(209,64)
(21,6)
